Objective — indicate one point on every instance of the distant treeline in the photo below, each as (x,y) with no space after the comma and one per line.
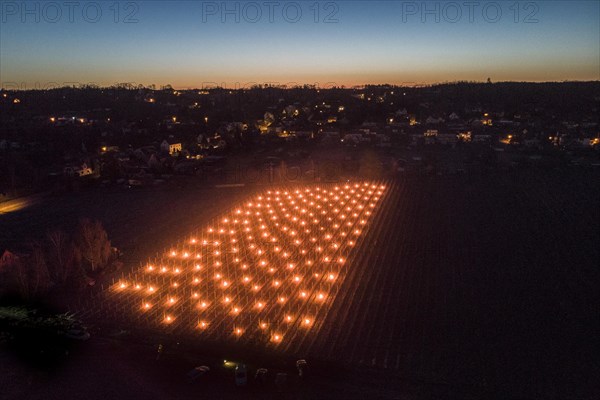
(557,97)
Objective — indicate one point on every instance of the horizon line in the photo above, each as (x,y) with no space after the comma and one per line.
(267,85)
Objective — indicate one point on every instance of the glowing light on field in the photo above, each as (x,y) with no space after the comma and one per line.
(281,256)
(277,338)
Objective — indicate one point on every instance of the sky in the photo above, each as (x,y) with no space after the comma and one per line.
(195,44)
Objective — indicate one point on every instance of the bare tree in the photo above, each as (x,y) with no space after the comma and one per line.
(93,243)
(63,257)
(31,273)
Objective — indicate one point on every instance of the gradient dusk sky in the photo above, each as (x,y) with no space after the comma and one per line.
(195,44)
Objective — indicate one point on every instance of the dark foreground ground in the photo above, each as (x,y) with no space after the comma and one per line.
(471,286)
(109,368)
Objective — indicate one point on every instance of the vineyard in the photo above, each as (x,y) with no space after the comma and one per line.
(477,282)
(266,272)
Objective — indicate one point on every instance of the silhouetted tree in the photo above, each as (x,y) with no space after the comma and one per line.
(31,274)
(92,241)
(63,258)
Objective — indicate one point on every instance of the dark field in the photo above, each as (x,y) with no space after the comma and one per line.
(490,282)
(486,286)
(139,221)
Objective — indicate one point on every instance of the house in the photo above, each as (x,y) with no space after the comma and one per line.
(302,134)
(456,126)
(4,144)
(291,110)
(80,171)
(434,121)
(352,138)
(430,136)
(532,142)
(331,133)
(447,138)
(480,138)
(486,120)
(465,136)
(506,123)
(367,125)
(109,149)
(235,126)
(416,139)
(382,140)
(589,142)
(286,134)
(171,146)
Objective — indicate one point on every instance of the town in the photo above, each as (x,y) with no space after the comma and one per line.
(70,137)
